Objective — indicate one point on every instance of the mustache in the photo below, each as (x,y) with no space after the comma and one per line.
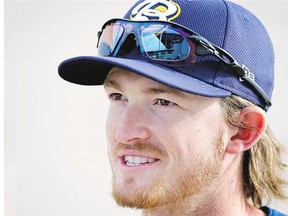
(144,147)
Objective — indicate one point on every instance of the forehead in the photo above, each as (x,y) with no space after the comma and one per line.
(117,76)
(117,73)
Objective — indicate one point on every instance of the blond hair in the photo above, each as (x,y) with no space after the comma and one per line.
(262,165)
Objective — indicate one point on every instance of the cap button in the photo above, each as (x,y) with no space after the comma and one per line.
(245,17)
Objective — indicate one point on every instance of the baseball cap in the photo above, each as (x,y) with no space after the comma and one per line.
(223,23)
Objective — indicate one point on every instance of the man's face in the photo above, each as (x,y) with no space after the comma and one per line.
(164,145)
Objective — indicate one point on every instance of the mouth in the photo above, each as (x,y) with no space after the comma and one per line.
(133,161)
(138,160)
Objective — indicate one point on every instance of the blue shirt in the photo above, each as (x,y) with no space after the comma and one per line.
(272,212)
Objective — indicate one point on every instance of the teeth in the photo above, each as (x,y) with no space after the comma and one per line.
(144,160)
(151,160)
(136,161)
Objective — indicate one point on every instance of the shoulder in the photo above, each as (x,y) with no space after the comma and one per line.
(272,212)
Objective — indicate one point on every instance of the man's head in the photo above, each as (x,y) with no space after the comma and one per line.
(172,71)
(164,144)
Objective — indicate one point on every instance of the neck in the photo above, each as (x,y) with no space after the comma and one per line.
(223,197)
(189,209)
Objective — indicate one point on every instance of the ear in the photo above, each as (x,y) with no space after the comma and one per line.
(254,122)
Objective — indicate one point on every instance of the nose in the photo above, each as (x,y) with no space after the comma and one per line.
(131,127)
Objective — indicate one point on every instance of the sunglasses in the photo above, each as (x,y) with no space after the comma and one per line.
(167,43)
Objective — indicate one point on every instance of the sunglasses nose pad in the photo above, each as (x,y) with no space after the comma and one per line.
(128,45)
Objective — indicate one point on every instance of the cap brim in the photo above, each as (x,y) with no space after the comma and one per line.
(91,70)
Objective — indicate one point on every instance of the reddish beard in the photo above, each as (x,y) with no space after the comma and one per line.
(192,178)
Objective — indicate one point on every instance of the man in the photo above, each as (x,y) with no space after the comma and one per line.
(189,84)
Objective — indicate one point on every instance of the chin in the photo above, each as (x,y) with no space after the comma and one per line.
(138,194)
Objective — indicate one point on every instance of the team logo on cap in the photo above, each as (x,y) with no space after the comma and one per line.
(164,10)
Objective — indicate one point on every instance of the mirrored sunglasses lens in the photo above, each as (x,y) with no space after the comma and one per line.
(164,43)
(109,39)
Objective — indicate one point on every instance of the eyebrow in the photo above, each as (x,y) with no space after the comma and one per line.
(163,89)
(149,91)
(112,84)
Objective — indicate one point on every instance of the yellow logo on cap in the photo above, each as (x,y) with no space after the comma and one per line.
(164,10)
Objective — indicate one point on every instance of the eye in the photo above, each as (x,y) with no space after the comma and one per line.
(163,102)
(116,96)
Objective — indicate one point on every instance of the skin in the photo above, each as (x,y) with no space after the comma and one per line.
(196,156)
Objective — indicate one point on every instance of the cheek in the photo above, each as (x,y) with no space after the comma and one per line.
(193,136)
(111,121)
(110,137)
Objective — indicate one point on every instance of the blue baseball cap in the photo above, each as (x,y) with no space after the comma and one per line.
(224,23)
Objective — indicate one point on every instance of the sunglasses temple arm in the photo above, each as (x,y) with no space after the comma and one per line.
(243,72)
(245,75)
(207,48)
